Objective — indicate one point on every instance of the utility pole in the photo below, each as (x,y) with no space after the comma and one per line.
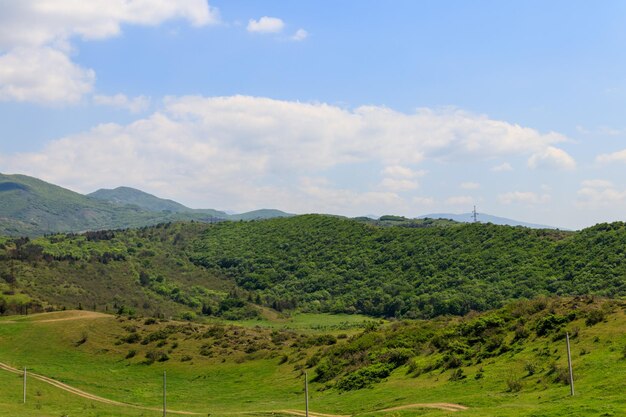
(164,395)
(475,215)
(306,394)
(24,385)
(569,364)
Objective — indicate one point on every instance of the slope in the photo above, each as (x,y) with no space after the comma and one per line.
(508,362)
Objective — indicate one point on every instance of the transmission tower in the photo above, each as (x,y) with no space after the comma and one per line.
(475,215)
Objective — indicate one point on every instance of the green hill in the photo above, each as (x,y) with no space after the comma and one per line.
(310,263)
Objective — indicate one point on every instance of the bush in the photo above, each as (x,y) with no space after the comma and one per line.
(132,338)
(155,355)
(364,377)
(550,323)
(594,317)
(457,375)
(131,354)
(514,385)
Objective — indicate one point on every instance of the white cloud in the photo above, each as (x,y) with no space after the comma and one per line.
(248,152)
(551,157)
(524,197)
(599,193)
(300,35)
(35,38)
(470,185)
(460,200)
(423,201)
(398,171)
(396,184)
(134,105)
(42,75)
(502,167)
(619,156)
(597,184)
(266,24)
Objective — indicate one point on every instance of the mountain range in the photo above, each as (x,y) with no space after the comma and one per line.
(30,207)
(483,218)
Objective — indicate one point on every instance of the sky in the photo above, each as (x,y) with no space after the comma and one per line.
(357,107)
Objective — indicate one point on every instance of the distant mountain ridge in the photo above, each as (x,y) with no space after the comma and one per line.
(484,218)
(31,207)
(145,201)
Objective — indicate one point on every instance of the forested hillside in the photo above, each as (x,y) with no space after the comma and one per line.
(311,263)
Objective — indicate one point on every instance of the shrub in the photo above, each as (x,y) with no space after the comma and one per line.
(457,375)
(514,385)
(364,377)
(549,323)
(155,355)
(594,317)
(530,368)
(132,338)
(131,354)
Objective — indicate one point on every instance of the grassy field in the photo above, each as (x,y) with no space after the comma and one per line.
(258,372)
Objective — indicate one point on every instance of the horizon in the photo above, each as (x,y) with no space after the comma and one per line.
(344,109)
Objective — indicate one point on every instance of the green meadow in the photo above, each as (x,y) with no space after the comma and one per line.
(232,369)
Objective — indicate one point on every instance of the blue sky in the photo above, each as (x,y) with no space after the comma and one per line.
(351,107)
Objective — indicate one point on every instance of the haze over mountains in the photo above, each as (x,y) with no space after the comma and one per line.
(30,207)
(484,218)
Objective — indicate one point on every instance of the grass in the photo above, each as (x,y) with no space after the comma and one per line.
(311,322)
(258,383)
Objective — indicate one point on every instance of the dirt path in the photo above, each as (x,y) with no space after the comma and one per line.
(440,406)
(311,413)
(78,315)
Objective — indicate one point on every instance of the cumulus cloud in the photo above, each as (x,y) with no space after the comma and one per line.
(121,101)
(502,167)
(423,201)
(396,184)
(470,185)
(247,152)
(266,24)
(523,197)
(551,157)
(599,193)
(35,40)
(399,171)
(42,75)
(619,156)
(300,35)
(460,200)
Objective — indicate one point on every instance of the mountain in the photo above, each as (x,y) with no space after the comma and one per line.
(127,195)
(260,214)
(484,218)
(31,207)
(131,196)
